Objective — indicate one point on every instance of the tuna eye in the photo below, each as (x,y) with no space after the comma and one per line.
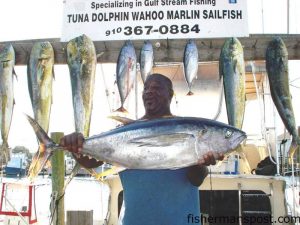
(228,133)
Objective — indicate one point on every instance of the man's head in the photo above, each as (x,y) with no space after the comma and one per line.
(157,95)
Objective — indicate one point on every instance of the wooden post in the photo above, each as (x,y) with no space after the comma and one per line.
(80,217)
(58,180)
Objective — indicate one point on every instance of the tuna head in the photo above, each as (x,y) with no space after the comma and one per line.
(7,53)
(221,139)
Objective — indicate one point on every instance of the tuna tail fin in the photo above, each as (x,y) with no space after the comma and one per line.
(44,152)
(4,153)
(40,133)
(39,160)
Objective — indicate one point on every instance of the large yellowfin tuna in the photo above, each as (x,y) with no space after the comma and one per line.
(278,74)
(190,63)
(126,72)
(40,73)
(232,68)
(146,60)
(7,63)
(166,143)
(82,62)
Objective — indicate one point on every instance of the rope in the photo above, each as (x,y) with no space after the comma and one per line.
(53,207)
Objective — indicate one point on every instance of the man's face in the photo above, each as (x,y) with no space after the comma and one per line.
(156,97)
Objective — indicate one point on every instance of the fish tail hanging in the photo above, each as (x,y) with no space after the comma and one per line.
(44,153)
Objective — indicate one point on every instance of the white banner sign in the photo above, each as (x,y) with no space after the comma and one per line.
(104,20)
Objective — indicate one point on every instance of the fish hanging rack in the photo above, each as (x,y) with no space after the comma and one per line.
(168,50)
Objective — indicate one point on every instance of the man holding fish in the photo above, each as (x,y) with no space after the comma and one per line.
(155,196)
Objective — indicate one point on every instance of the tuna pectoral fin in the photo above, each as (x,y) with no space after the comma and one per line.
(161,140)
(102,175)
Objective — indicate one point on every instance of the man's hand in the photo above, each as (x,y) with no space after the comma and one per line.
(196,174)
(74,143)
